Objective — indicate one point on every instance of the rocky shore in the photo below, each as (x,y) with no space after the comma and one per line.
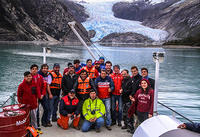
(38,20)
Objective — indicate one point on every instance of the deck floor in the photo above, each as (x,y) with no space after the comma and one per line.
(56,131)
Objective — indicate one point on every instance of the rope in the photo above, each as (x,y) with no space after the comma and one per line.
(176,112)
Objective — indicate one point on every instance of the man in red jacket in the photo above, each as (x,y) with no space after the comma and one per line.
(116,95)
(39,80)
(28,93)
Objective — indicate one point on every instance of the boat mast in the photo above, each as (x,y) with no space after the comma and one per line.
(72,26)
(158,58)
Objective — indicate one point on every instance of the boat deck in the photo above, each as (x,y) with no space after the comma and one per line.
(56,131)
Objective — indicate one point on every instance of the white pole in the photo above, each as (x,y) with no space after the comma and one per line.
(72,24)
(156,85)
(44,55)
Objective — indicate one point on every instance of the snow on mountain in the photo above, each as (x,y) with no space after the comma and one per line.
(103,22)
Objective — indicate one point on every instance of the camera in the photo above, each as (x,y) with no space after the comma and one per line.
(93,112)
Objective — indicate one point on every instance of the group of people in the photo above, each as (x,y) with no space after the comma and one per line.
(91,93)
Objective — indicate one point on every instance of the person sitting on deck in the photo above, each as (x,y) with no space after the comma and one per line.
(190,126)
(69,108)
(93,111)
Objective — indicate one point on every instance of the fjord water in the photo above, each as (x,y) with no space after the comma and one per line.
(179,73)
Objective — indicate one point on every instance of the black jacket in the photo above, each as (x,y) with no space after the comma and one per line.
(68,83)
(152,82)
(69,106)
(126,86)
(135,83)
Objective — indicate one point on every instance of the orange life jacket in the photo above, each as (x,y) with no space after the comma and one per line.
(83,86)
(91,73)
(56,80)
(32,131)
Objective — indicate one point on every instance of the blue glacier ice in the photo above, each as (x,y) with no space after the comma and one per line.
(103,22)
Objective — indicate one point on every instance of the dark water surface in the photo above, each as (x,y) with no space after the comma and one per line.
(179,73)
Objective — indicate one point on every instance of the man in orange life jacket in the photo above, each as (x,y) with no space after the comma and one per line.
(91,70)
(116,94)
(55,88)
(69,108)
(28,93)
(105,86)
(83,86)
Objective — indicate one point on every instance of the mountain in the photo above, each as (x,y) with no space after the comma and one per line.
(178,17)
(37,20)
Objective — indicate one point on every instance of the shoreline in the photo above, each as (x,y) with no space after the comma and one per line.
(136,45)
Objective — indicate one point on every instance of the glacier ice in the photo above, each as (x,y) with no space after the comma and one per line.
(103,22)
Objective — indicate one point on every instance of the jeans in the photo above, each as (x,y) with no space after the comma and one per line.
(53,107)
(107,103)
(87,124)
(128,122)
(116,98)
(44,103)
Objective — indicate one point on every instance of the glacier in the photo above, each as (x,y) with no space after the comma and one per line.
(103,21)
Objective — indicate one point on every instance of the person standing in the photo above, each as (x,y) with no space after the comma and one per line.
(108,68)
(105,86)
(116,95)
(69,109)
(67,68)
(44,102)
(101,61)
(126,87)
(97,66)
(136,78)
(77,65)
(69,80)
(55,88)
(93,111)
(83,86)
(144,98)
(91,70)
(38,79)
(144,73)
(29,93)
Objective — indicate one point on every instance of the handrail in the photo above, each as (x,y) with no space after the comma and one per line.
(12,98)
(175,112)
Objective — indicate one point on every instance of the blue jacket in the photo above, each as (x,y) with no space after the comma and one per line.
(193,127)
(107,79)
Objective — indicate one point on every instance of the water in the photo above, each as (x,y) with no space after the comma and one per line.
(179,73)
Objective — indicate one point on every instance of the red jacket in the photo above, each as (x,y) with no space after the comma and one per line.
(144,101)
(117,79)
(42,85)
(28,93)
